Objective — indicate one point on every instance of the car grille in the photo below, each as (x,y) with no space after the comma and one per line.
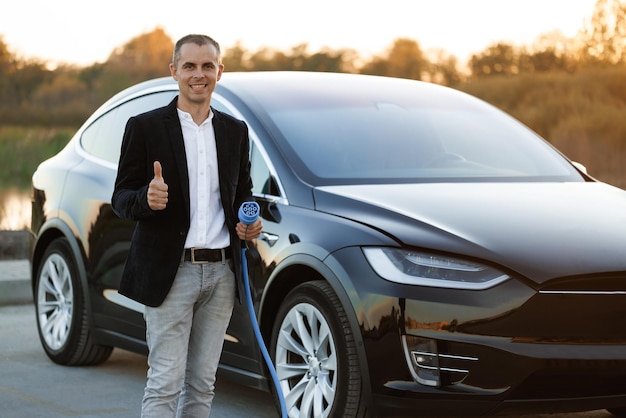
(585,310)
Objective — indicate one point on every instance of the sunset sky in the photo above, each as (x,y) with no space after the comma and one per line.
(84,32)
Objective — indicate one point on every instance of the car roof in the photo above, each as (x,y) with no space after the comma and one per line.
(267,86)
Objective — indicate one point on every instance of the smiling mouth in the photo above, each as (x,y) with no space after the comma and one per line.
(197,86)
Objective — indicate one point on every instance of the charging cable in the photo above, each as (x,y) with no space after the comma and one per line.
(248,214)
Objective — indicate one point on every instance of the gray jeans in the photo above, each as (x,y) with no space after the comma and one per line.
(185,336)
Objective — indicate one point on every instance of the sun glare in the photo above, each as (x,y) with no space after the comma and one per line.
(15,210)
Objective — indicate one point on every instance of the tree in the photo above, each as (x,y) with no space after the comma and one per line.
(497,59)
(6,68)
(543,61)
(145,56)
(268,59)
(376,66)
(6,58)
(404,59)
(327,60)
(142,58)
(234,58)
(62,101)
(28,76)
(407,60)
(604,39)
(443,69)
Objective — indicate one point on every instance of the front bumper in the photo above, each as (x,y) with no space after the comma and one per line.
(512,348)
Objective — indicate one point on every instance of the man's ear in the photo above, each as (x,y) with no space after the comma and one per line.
(173,72)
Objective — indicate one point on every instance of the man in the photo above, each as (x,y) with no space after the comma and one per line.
(184,171)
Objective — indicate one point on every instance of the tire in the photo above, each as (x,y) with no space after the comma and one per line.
(315,354)
(618,412)
(61,310)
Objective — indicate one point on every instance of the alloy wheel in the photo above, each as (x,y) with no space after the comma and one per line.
(55,301)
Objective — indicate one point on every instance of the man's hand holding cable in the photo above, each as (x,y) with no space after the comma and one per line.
(248,232)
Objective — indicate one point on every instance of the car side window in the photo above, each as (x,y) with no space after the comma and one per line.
(263,182)
(103,138)
(90,141)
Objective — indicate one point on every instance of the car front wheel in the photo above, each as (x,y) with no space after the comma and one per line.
(315,354)
(61,312)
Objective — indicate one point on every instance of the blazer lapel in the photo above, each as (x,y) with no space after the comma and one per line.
(224,156)
(175,134)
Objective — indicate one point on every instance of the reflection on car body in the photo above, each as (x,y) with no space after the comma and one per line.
(423,252)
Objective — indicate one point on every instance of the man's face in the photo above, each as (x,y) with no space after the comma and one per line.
(198,70)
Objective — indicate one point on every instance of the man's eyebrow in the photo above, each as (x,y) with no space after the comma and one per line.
(211,62)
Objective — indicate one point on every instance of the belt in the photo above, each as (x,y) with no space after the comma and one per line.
(206,255)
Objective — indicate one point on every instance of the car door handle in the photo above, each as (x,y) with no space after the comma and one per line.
(269,238)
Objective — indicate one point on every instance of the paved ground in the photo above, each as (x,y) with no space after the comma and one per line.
(15,282)
(32,386)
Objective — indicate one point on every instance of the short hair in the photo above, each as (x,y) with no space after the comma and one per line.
(198,40)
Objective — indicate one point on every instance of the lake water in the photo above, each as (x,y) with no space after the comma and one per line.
(15,209)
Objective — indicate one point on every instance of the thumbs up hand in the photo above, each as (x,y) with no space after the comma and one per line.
(157,189)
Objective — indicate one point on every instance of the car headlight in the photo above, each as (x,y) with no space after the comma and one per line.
(424,269)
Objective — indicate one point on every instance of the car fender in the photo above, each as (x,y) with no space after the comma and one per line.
(49,231)
(329,270)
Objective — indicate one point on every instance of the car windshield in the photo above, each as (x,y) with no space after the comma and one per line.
(400,135)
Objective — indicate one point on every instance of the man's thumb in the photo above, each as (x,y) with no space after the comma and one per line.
(158,171)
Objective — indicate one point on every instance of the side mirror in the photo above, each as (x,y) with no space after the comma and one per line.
(580,167)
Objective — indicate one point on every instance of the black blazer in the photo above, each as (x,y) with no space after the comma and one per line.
(158,240)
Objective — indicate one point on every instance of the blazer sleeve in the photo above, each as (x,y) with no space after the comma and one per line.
(129,200)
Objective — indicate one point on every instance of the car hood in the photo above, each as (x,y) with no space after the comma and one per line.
(538,230)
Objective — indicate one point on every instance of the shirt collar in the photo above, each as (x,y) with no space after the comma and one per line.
(186,117)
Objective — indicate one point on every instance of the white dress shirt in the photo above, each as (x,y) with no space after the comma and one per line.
(208,223)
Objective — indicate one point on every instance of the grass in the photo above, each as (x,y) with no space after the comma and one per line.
(22,149)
